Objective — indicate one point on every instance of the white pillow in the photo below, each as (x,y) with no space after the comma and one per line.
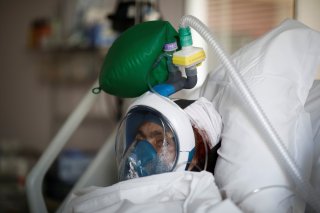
(279,68)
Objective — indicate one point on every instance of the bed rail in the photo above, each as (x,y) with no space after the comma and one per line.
(36,176)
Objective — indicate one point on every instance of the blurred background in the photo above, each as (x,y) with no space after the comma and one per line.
(51,53)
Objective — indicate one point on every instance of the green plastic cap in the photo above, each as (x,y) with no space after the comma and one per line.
(185,36)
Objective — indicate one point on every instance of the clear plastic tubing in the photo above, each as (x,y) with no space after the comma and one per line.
(275,143)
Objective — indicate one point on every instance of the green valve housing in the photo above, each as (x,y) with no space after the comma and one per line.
(132,56)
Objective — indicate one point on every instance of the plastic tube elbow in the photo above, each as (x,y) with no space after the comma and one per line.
(192,78)
(189,82)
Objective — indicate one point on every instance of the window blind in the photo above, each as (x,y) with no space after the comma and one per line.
(237,22)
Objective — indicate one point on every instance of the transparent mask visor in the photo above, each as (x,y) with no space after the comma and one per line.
(145,145)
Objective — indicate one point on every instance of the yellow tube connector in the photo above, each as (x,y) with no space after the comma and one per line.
(188,56)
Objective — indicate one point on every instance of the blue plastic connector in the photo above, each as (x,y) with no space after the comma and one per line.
(165,89)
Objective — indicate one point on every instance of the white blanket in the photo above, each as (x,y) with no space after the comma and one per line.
(279,68)
(193,192)
(313,107)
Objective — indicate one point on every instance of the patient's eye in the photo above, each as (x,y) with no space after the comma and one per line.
(140,136)
(159,141)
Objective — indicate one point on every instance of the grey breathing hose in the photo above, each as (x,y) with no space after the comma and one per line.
(275,143)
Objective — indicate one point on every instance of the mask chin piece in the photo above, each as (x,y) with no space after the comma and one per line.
(141,161)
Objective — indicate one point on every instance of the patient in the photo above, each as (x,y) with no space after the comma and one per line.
(163,142)
(186,138)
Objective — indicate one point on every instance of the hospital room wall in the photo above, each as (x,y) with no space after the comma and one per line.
(25,103)
(307,11)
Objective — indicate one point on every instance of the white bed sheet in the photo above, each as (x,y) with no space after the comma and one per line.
(313,107)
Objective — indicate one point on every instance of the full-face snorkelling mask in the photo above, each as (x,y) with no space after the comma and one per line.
(155,137)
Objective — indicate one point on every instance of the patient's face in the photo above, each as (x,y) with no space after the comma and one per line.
(161,140)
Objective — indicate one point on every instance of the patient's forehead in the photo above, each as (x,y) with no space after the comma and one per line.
(151,129)
(148,126)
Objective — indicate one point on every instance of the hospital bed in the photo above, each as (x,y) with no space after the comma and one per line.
(102,170)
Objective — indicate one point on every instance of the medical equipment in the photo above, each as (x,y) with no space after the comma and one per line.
(176,81)
(186,59)
(188,56)
(132,55)
(171,134)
